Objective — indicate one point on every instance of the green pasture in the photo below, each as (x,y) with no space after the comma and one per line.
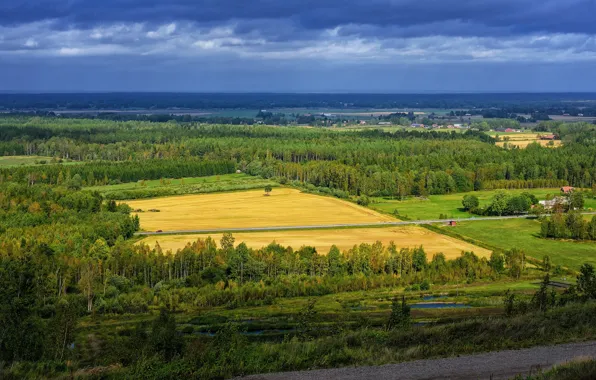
(450,204)
(24,160)
(523,234)
(181,186)
(173,182)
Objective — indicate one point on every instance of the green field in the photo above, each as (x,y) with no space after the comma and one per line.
(180,186)
(23,160)
(173,182)
(522,234)
(450,204)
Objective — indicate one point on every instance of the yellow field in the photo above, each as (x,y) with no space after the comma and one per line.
(519,136)
(525,143)
(284,207)
(403,237)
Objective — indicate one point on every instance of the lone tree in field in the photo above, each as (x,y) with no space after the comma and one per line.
(470,202)
(268,189)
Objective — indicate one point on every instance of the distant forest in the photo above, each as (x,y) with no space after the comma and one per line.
(512,103)
(359,163)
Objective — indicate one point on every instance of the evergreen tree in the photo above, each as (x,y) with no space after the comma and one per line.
(399,317)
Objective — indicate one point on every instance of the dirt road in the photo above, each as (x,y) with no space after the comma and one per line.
(335,226)
(492,365)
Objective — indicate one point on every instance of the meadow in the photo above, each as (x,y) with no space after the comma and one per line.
(283,207)
(344,239)
(523,234)
(433,206)
(23,160)
(171,182)
(180,186)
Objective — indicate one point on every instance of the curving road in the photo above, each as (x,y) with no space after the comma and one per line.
(334,226)
(491,365)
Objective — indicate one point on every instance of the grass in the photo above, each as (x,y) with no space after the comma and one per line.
(180,186)
(284,207)
(450,204)
(403,237)
(523,234)
(172,182)
(583,369)
(23,160)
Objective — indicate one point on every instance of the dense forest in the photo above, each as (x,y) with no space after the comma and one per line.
(370,162)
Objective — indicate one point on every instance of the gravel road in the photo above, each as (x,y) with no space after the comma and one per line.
(492,365)
(334,226)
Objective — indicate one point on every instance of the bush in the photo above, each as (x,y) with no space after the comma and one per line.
(363,200)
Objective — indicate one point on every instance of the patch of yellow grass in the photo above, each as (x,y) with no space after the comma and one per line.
(402,236)
(284,207)
(525,143)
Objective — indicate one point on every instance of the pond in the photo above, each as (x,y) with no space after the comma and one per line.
(439,305)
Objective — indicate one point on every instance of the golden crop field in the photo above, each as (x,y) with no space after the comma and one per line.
(525,143)
(284,207)
(402,236)
(519,136)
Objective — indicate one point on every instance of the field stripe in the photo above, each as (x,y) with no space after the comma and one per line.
(336,226)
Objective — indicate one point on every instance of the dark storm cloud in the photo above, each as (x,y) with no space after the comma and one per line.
(410,17)
(297,45)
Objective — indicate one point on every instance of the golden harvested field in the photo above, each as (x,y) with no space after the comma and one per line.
(402,236)
(519,136)
(284,207)
(525,143)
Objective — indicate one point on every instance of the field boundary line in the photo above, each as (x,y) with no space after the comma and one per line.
(336,226)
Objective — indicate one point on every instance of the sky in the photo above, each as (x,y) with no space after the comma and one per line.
(391,46)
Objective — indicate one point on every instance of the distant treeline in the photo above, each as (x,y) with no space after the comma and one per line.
(105,173)
(517,102)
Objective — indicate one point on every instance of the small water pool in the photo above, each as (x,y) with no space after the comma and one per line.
(439,305)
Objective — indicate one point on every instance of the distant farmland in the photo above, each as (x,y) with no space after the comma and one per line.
(525,143)
(522,140)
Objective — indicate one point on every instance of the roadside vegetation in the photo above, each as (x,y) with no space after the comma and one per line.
(578,370)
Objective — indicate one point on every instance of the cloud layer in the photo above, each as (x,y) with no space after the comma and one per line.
(298,32)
